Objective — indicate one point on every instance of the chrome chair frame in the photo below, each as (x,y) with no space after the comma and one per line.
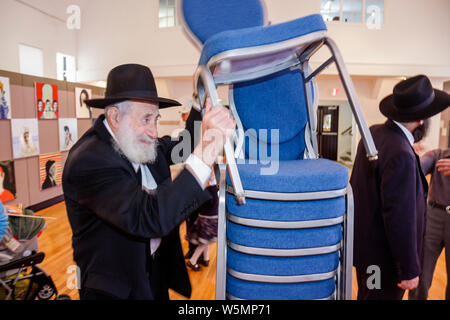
(238,65)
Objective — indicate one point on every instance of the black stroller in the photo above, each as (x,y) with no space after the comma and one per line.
(21,278)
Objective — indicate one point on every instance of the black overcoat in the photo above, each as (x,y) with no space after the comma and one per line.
(113,219)
(390,205)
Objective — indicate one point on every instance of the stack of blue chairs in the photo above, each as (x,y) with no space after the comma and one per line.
(285,215)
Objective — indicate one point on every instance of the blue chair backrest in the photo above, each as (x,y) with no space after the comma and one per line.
(275,102)
(206,18)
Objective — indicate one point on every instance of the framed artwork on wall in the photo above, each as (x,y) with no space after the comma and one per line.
(68,133)
(50,170)
(25,137)
(83,111)
(5,99)
(7,181)
(47,102)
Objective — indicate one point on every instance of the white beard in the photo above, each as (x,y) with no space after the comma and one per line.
(128,144)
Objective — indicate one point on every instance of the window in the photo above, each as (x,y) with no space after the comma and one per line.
(330,10)
(369,12)
(65,67)
(352,11)
(166,16)
(374,13)
(31,60)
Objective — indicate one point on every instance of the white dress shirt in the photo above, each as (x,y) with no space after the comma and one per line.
(407,133)
(199,169)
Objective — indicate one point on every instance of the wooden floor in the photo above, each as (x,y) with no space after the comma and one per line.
(55,241)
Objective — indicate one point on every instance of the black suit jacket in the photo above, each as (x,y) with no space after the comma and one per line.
(390,205)
(48,183)
(113,219)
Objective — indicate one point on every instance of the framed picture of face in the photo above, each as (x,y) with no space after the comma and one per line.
(25,137)
(7,181)
(68,133)
(50,170)
(83,111)
(5,99)
(47,102)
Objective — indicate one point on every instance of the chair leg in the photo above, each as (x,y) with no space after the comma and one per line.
(204,87)
(372,152)
(348,248)
(221,273)
(312,115)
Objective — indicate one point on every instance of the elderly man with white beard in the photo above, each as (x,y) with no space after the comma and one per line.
(123,207)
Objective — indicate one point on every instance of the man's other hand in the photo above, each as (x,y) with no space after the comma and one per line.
(409,284)
(443,166)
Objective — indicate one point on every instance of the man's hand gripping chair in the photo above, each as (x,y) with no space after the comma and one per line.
(285,215)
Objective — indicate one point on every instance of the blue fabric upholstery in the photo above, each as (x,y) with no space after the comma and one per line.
(288,210)
(273,102)
(280,291)
(283,239)
(3,221)
(215,16)
(295,176)
(257,149)
(260,35)
(282,266)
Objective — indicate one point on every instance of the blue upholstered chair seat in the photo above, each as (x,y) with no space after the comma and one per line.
(260,35)
(251,290)
(287,210)
(294,176)
(282,266)
(283,238)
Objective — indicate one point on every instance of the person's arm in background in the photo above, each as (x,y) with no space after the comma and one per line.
(428,161)
(3,221)
(443,166)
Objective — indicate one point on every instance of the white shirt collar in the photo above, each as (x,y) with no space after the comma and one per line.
(407,133)
(105,122)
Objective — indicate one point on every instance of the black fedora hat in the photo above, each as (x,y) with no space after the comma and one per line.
(131,82)
(414,99)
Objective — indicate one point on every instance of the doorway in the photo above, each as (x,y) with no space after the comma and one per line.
(327,133)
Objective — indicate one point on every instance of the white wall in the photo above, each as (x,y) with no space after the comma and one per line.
(412,40)
(22,24)
(114,32)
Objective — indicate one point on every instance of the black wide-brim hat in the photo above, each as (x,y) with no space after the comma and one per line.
(131,82)
(414,99)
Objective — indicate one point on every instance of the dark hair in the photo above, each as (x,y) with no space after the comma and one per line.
(87,96)
(66,128)
(48,165)
(9,182)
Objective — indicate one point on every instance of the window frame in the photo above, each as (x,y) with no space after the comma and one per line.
(167,6)
(363,14)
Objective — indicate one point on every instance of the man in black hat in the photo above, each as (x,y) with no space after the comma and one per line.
(390,194)
(123,207)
